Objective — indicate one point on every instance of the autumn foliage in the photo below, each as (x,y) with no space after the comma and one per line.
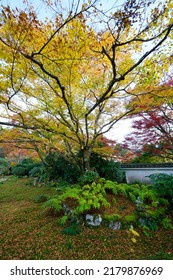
(68,79)
(153,125)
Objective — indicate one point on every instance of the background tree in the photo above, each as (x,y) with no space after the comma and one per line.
(70,78)
(153,126)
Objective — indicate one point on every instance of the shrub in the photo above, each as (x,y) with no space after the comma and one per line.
(37,171)
(88,177)
(24,167)
(91,197)
(58,167)
(61,185)
(132,197)
(111,187)
(163,185)
(107,169)
(150,224)
(19,171)
(112,171)
(77,200)
(4,166)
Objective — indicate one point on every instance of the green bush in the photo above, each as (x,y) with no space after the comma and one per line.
(107,169)
(26,161)
(37,171)
(163,185)
(132,197)
(24,167)
(19,171)
(58,167)
(83,199)
(88,177)
(92,197)
(111,187)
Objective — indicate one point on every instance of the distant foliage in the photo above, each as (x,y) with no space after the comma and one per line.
(24,167)
(58,168)
(20,171)
(4,166)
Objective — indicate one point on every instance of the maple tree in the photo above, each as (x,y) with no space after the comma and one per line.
(153,126)
(66,80)
(16,145)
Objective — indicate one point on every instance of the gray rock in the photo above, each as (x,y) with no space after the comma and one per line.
(115,225)
(139,201)
(67,210)
(93,220)
(142,222)
(139,205)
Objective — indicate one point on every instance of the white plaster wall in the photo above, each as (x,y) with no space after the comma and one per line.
(139,174)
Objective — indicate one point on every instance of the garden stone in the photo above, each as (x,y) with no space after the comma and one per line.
(3,179)
(36,180)
(93,220)
(67,211)
(139,205)
(115,225)
(142,222)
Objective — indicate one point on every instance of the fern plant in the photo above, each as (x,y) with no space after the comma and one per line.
(132,197)
(52,206)
(166,223)
(111,186)
(122,189)
(92,197)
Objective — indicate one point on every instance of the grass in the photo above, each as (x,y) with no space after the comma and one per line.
(27,233)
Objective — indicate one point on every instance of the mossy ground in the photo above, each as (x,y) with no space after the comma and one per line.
(27,233)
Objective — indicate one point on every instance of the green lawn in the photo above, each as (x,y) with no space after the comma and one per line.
(26,232)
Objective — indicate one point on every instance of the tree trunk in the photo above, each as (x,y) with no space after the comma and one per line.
(86,158)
